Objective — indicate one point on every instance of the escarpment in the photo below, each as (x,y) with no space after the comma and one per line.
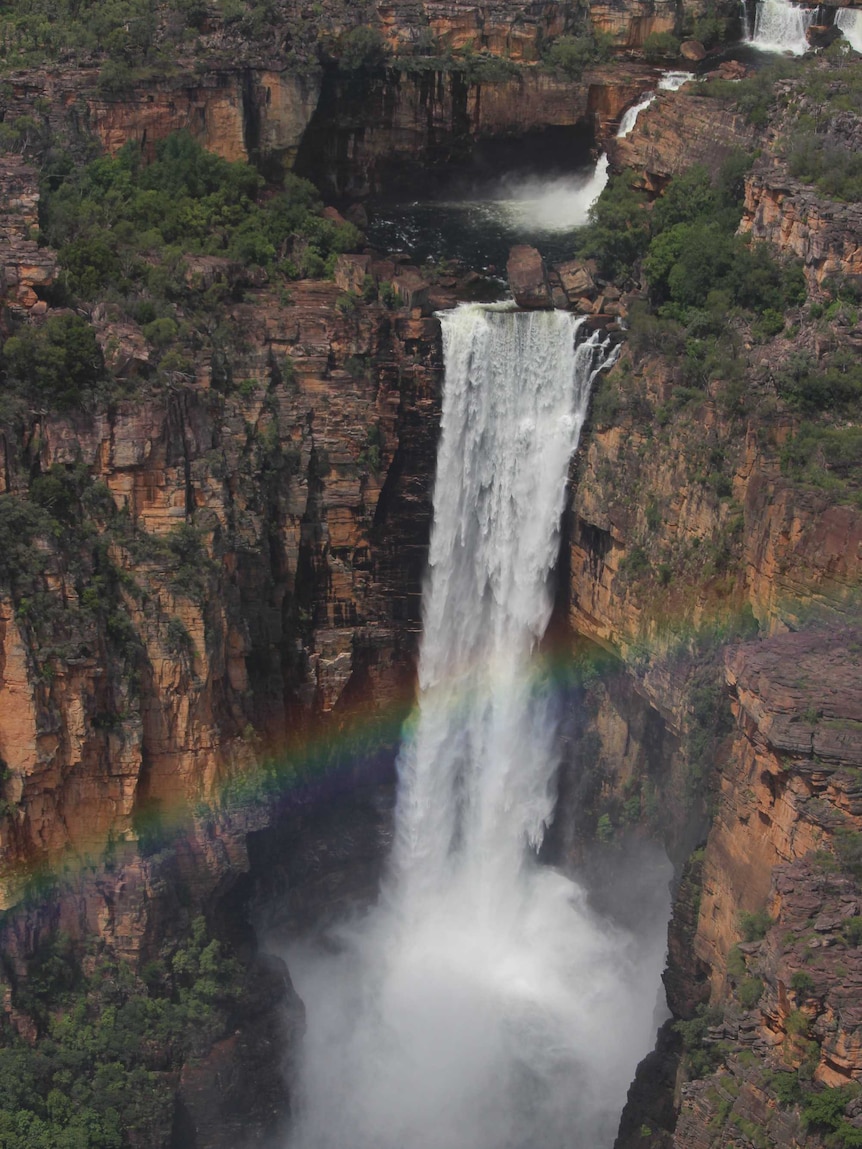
(211,637)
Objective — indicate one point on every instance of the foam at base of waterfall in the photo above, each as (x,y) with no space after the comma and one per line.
(561,203)
(780,26)
(482,1004)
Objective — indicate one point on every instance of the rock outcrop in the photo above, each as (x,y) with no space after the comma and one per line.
(528,279)
(25,268)
(680,129)
(800,221)
(395,131)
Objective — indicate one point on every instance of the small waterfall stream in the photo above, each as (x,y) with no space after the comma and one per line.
(668,82)
(630,116)
(482,1004)
(743,18)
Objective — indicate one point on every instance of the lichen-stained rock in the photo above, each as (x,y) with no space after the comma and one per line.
(798,702)
(802,222)
(25,268)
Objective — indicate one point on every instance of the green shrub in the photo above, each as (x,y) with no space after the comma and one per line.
(112,1044)
(736,962)
(755,95)
(177,638)
(796,1023)
(572,54)
(785,1086)
(360,49)
(812,388)
(605,403)
(754,926)
(187,200)
(617,235)
(192,566)
(750,992)
(848,849)
(661,46)
(57,365)
(702,1055)
(826,1109)
(835,170)
(604,829)
(802,983)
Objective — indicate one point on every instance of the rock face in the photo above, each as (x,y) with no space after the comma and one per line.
(503,29)
(528,279)
(306,593)
(798,703)
(822,233)
(25,268)
(394,131)
(680,129)
(516,32)
(788,800)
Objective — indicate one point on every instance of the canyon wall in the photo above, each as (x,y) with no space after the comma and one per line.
(265,521)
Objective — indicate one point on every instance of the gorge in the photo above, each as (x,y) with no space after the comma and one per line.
(636,657)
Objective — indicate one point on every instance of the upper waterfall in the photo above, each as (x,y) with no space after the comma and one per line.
(482,1004)
(780,26)
(849,20)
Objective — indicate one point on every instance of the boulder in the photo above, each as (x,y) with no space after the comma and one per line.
(821,36)
(577,280)
(692,50)
(731,70)
(412,290)
(528,279)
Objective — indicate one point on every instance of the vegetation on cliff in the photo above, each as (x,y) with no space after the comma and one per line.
(111,1042)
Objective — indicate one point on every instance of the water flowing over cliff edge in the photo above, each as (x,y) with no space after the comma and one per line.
(482,1004)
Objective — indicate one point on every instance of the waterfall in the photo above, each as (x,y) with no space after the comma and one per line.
(673,81)
(481,1004)
(743,16)
(516,396)
(849,20)
(630,116)
(540,204)
(780,26)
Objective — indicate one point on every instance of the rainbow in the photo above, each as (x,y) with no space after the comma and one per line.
(348,748)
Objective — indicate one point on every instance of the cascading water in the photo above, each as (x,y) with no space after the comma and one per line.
(743,19)
(481,1004)
(630,116)
(668,82)
(780,26)
(849,20)
(673,81)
